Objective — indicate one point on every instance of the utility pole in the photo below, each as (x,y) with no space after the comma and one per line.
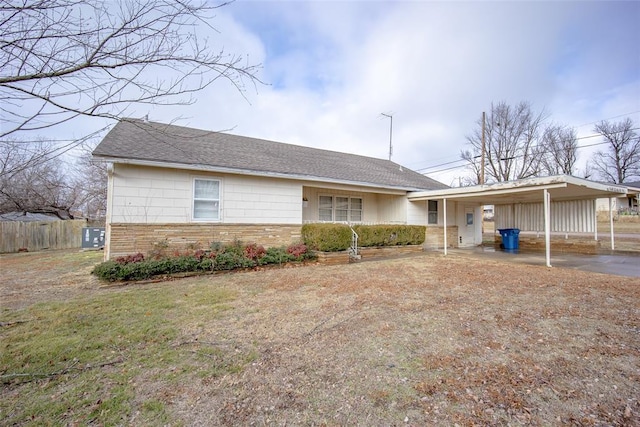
(390,133)
(483,150)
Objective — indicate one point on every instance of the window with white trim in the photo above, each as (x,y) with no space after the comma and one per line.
(340,208)
(206,199)
(433,212)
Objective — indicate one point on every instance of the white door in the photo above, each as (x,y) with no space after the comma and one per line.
(468,225)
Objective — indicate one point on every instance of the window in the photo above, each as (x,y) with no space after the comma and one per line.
(340,208)
(469,218)
(356,209)
(326,208)
(206,199)
(433,212)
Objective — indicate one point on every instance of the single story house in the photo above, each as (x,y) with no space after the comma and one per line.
(182,186)
(189,186)
(626,204)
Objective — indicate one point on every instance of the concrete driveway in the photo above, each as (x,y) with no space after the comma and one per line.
(621,264)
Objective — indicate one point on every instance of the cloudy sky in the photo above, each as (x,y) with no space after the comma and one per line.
(332,67)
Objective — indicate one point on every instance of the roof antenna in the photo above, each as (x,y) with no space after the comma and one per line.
(390,115)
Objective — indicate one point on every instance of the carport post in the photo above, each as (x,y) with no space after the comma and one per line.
(613,247)
(444,213)
(547,227)
(595,219)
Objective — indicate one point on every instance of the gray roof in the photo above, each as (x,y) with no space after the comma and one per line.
(134,140)
(29,217)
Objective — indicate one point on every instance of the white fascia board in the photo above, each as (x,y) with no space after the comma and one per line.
(519,186)
(476,192)
(607,188)
(215,169)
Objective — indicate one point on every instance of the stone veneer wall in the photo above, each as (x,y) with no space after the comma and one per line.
(434,238)
(132,238)
(573,244)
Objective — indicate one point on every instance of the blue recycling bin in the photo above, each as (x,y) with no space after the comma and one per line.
(510,239)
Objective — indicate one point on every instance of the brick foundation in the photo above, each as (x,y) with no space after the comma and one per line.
(434,238)
(388,251)
(335,258)
(132,238)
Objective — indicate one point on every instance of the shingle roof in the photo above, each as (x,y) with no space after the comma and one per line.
(136,140)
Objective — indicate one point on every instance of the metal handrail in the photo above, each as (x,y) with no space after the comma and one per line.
(354,241)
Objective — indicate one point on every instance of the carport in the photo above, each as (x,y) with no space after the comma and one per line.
(532,199)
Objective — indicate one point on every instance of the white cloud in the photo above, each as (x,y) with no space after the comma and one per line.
(335,66)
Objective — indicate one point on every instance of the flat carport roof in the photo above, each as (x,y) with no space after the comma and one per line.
(532,190)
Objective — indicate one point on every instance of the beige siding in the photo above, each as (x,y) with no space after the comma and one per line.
(261,200)
(150,195)
(417,213)
(392,209)
(147,195)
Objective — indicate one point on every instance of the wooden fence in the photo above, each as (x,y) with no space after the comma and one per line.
(39,235)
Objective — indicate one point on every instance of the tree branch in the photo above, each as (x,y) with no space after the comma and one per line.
(28,377)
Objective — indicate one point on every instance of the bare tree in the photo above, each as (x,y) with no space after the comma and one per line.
(16,157)
(34,184)
(620,162)
(90,183)
(587,172)
(30,181)
(512,143)
(559,150)
(62,59)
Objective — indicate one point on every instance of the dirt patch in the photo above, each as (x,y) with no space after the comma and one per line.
(422,340)
(33,277)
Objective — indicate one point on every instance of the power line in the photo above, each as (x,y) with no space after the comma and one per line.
(519,156)
(578,139)
(609,118)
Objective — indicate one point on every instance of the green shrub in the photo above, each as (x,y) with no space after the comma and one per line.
(390,235)
(231,260)
(327,237)
(230,257)
(337,237)
(276,256)
(108,270)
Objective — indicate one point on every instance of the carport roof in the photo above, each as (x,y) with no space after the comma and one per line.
(560,187)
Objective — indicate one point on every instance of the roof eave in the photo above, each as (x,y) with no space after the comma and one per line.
(238,171)
(520,186)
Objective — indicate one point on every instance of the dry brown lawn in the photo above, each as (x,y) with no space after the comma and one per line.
(422,340)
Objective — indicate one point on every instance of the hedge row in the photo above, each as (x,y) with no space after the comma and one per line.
(337,237)
(136,267)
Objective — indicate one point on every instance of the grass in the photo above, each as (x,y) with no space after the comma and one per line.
(79,361)
(424,340)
